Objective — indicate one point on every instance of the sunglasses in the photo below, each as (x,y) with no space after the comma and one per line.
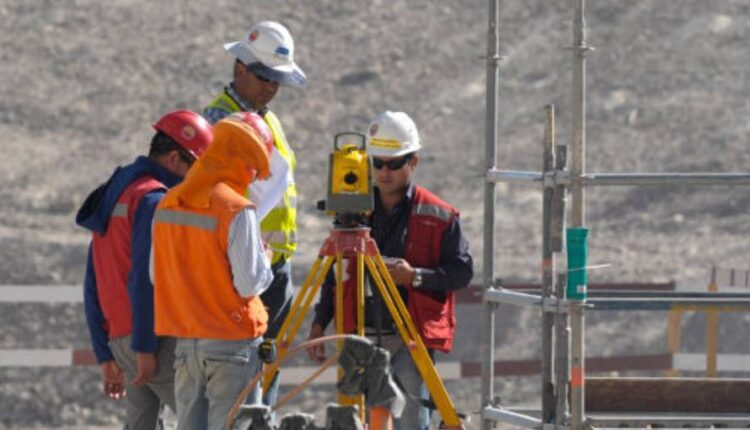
(393,164)
(263,79)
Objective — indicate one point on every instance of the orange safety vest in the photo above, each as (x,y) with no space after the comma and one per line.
(194,296)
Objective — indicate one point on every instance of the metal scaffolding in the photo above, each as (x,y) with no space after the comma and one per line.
(563,318)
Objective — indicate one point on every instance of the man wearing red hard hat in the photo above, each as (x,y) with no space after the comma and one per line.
(118,294)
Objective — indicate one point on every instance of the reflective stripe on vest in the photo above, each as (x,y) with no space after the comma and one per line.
(169,216)
(432,210)
(277,237)
(120,210)
(282,204)
(224,102)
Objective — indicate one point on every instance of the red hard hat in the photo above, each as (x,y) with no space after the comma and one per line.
(187,128)
(259,125)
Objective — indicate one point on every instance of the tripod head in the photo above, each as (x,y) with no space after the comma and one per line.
(350,197)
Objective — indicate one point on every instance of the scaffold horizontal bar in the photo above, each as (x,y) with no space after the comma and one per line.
(638,179)
(514,176)
(511,297)
(626,179)
(510,417)
(665,303)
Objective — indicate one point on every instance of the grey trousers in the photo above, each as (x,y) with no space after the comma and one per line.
(415,416)
(144,402)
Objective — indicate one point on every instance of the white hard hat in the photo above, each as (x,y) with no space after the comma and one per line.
(392,134)
(268,50)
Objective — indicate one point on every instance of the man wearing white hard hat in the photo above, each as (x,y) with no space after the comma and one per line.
(264,61)
(427,255)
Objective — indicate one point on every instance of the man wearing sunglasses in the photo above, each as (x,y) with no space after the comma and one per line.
(264,61)
(118,295)
(427,255)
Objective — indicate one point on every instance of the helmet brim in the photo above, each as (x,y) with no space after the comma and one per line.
(382,152)
(290,75)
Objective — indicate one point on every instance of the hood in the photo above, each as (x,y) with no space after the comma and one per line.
(236,151)
(96,210)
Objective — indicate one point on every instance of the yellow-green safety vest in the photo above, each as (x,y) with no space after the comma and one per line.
(279,227)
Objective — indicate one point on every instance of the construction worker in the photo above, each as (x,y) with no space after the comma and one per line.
(427,255)
(118,295)
(209,269)
(264,61)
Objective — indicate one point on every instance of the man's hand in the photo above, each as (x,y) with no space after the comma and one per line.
(146,368)
(401,271)
(113,380)
(317,353)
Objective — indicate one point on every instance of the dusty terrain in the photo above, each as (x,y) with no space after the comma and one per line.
(81,80)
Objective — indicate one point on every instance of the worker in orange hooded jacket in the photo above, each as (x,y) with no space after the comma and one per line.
(209,269)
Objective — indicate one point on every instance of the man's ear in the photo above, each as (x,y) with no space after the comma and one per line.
(414,161)
(239,69)
(173,159)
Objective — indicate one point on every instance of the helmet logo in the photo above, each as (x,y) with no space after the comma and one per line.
(373,129)
(253,35)
(282,52)
(188,132)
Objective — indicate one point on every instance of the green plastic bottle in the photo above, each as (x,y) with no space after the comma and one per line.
(577,252)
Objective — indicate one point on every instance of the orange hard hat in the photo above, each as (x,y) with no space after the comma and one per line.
(188,129)
(259,125)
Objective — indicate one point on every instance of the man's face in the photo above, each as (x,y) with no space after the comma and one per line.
(392,174)
(256,89)
(179,164)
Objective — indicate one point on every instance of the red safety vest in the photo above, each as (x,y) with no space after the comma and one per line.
(433,312)
(112,258)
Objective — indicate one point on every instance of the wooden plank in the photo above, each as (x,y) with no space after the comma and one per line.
(668,395)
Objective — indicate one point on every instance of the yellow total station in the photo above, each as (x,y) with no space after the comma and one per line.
(349,182)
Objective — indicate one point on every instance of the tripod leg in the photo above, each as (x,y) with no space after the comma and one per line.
(298,310)
(360,294)
(413,341)
(343,399)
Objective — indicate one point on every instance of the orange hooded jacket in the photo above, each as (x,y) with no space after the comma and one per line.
(194,296)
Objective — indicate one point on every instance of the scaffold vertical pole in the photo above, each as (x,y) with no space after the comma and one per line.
(562,323)
(487,347)
(548,271)
(712,329)
(578,214)
(562,362)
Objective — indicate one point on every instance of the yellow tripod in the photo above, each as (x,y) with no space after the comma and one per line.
(356,243)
